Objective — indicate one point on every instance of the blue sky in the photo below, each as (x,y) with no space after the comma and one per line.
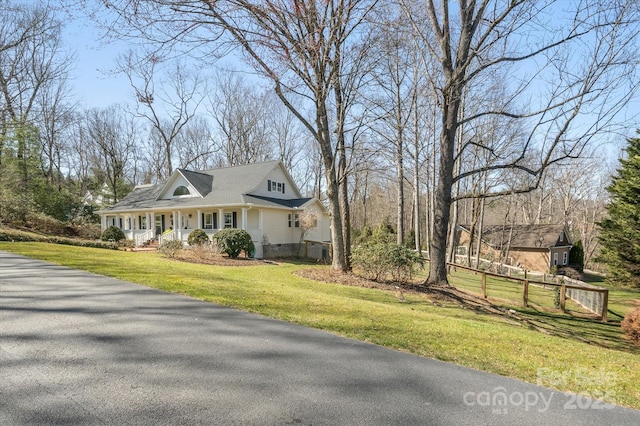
(92,81)
(96,85)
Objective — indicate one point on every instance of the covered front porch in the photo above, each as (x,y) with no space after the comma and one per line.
(144,226)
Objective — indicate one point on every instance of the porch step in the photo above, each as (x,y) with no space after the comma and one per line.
(149,246)
(144,249)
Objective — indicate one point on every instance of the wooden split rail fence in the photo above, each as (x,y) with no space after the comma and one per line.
(598,306)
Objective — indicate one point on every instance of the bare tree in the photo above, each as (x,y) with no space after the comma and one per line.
(241,113)
(112,135)
(195,146)
(581,71)
(393,96)
(31,62)
(301,47)
(56,119)
(286,134)
(168,102)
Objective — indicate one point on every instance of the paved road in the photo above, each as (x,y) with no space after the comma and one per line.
(82,349)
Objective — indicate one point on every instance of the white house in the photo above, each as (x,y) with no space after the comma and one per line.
(260,198)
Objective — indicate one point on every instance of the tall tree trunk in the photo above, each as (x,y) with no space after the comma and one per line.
(400,200)
(442,208)
(416,205)
(333,187)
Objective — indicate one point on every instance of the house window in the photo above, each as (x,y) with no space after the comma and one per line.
(564,257)
(294,220)
(555,259)
(230,220)
(181,190)
(562,237)
(273,186)
(142,222)
(207,221)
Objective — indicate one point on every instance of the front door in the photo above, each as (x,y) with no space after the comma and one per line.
(159,224)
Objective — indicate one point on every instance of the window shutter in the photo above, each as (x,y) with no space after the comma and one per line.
(269,185)
(215,221)
(235,219)
(283,188)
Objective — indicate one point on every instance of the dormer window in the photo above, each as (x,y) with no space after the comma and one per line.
(273,186)
(180,191)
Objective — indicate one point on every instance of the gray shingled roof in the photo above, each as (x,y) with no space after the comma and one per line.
(522,236)
(293,203)
(223,186)
(201,181)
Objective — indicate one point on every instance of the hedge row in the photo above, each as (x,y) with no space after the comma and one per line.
(18,236)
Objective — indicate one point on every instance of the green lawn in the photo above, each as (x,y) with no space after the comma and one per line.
(495,344)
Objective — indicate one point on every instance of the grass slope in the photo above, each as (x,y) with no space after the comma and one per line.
(445,332)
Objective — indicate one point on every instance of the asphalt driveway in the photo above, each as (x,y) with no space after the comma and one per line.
(78,348)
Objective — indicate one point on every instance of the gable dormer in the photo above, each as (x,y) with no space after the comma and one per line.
(186,184)
(563,239)
(277,183)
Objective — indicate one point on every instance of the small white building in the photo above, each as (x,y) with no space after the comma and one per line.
(260,198)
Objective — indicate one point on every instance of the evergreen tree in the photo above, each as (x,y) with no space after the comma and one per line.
(576,256)
(620,233)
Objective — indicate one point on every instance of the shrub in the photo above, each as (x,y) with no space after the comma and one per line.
(14,235)
(383,233)
(40,222)
(204,252)
(380,261)
(234,241)
(571,272)
(88,231)
(171,248)
(631,325)
(112,233)
(410,240)
(197,237)
(576,256)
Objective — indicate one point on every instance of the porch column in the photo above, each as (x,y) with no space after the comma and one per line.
(117,222)
(259,245)
(244,219)
(133,221)
(178,226)
(199,219)
(173,220)
(152,222)
(220,218)
(103,221)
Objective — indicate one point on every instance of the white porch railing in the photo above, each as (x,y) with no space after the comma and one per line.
(144,237)
(167,236)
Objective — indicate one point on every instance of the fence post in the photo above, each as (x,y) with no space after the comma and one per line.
(525,294)
(605,306)
(484,284)
(563,296)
